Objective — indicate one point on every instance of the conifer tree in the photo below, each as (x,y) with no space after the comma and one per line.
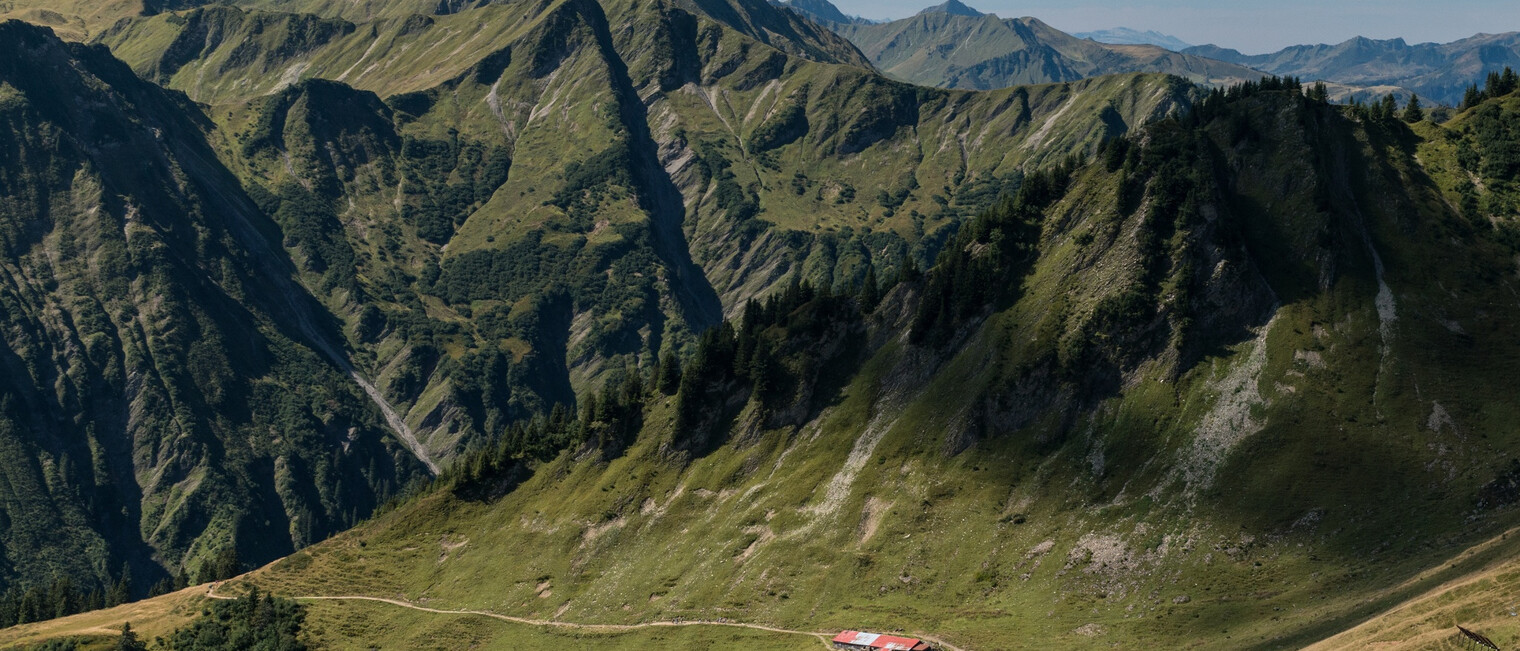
(62,598)
(1386,108)
(29,606)
(559,415)
(669,380)
(1472,97)
(121,591)
(128,640)
(1508,82)
(910,271)
(590,408)
(632,390)
(1412,112)
(762,371)
(10,608)
(225,566)
(1319,93)
(870,291)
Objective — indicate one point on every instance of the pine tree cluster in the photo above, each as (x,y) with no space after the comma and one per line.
(988,257)
(764,355)
(1498,84)
(253,622)
(62,598)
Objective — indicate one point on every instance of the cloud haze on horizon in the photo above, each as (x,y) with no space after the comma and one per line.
(1253,27)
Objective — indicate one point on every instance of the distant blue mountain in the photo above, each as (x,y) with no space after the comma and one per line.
(952,7)
(1438,71)
(1127,36)
(821,11)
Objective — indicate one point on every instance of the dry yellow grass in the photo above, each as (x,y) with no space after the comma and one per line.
(149,618)
(75,20)
(1485,599)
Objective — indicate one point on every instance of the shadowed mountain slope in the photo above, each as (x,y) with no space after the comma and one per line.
(732,166)
(1155,384)
(1182,370)
(169,391)
(491,213)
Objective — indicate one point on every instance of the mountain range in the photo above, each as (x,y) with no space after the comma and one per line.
(954,46)
(1436,71)
(821,11)
(953,8)
(154,341)
(436,245)
(679,324)
(1127,36)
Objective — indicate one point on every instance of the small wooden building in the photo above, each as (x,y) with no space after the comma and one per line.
(858,641)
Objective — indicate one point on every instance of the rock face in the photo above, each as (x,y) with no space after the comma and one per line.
(1221,355)
(373,260)
(1170,333)
(168,389)
(732,166)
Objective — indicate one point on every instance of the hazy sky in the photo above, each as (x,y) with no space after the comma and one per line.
(1251,27)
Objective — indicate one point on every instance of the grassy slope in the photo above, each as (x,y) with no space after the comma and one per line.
(1337,496)
(350,624)
(99,629)
(77,20)
(150,337)
(387,56)
(1320,470)
(81,21)
(1478,594)
(1340,484)
(361,625)
(544,83)
(566,86)
(1475,586)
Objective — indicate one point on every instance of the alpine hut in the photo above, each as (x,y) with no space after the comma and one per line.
(858,641)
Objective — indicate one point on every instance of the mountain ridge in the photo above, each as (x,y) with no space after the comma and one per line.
(984,52)
(821,11)
(953,8)
(1436,71)
(190,324)
(1193,457)
(404,193)
(1128,36)
(722,324)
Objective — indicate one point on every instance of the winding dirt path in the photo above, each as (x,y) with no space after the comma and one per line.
(823,638)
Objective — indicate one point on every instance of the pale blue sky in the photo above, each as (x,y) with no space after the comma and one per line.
(1251,27)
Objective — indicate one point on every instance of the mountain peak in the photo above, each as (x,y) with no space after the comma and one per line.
(1390,43)
(1129,36)
(952,7)
(818,10)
